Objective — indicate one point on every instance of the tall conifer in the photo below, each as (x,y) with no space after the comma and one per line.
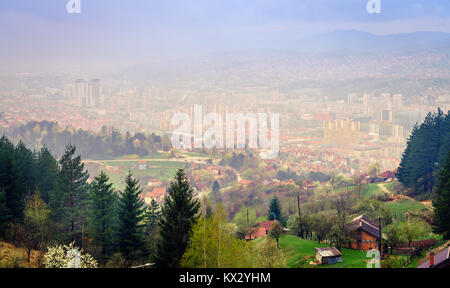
(179,214)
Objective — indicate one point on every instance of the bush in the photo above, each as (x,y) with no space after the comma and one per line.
(116,261)
(63,256)
(15,260)
(394,262)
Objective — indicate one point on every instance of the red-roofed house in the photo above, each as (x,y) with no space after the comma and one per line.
(267,225)
(256,232)
(261,231)
(157,194)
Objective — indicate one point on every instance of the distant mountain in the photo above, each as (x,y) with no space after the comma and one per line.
(362,42)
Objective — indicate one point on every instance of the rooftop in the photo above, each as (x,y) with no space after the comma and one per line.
(365,224)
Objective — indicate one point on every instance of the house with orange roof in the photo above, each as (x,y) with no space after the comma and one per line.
(156,194)
(262,230)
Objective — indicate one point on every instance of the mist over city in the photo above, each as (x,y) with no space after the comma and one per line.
(301,133)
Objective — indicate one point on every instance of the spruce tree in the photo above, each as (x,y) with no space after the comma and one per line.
(131,216)
(442,203)
(275,212)
(425,153)
(24,160)
(69,201)
(11,180)
(46,174)
(5,216)
(179,213)
(152,217)
(103,215)
(216,191)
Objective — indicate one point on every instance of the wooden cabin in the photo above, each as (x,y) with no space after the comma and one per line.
(365,234)
(328,255)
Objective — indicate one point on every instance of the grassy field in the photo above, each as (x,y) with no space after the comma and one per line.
(402,206)
(161,170)
(300,252)
(390,186)
(367,190)
(371,189)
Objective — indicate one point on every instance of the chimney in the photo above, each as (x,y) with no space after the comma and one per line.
(431,259)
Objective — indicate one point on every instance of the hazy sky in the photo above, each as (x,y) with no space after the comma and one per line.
(110,31)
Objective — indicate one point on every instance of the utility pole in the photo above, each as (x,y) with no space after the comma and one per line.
(247,215)
(300,214)
(380,235)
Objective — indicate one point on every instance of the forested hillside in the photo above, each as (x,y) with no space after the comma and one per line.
(426,150)
(106,144)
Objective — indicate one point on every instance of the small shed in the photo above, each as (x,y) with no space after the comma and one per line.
(328,255)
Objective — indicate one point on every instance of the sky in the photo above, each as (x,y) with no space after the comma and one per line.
(130,31)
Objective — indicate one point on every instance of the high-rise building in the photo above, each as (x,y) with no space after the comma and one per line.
(366,99)
(95,92)
(81,91)
(398,101)
(351,98)
(87,94)
(342,132)
(386,115)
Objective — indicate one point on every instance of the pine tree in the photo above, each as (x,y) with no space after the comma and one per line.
(152,217)
(442,203)
(179,213)
(103,215)
(24,160)
(131,216)
(5,216)
(69,201)
(425,153)
(216,191)
(275,212)
(46,174)
(11,180)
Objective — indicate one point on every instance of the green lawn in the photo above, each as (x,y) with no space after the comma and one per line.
(161,170)
(402,206)
(390,186)
(371,189)
(298,253)
(367,190)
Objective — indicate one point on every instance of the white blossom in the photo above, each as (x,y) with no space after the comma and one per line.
(63,256)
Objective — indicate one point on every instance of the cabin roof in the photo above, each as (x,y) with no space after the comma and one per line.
(329,252)
(365,224)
